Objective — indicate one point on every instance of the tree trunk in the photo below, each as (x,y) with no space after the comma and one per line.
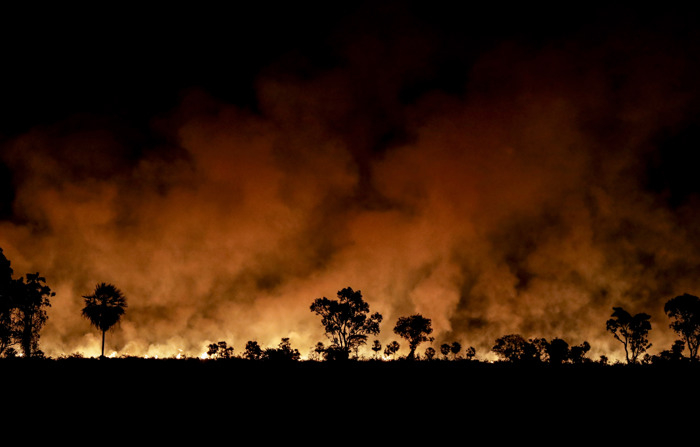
(103,343)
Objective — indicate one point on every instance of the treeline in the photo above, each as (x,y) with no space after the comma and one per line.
(348,325)
(23,303)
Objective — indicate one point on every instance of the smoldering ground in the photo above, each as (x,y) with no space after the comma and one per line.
(508,181)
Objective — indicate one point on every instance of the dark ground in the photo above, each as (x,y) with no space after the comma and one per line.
(306,399)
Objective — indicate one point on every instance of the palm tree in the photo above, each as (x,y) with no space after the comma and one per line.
(104,308)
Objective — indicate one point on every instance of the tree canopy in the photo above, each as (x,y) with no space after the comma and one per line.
(23,303)
(283,352)
(104,308)
(685,311)
(33,299)
(6,307)
(514,348)
(415,329)
(220,350)
(253,351)
(347,321)
(631,331)
(557,351)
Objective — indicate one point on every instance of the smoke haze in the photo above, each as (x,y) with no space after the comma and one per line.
(496,180)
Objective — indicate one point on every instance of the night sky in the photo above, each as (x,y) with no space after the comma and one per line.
(498,170)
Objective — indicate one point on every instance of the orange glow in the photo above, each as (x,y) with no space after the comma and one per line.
(517,205)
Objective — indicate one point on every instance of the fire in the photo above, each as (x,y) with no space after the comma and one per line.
(511,195)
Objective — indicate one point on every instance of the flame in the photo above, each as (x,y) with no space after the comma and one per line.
(520,205)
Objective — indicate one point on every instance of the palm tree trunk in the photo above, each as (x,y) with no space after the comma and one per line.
(103,343)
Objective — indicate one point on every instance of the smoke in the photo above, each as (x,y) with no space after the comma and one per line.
(503,191)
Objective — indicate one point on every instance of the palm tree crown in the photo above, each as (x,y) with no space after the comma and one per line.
(104,308)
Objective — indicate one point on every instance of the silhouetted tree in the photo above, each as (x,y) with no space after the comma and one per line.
(376,347)
(415,329)
(104,308)
(334,353)
(470,353)
(540,348)
(22,310)
(515,348)
(455,348)
(577,354)
(346,320)
(445,350)
(6,305)
(685,310)
(392,348)
(253,351)
(631,331)
(283,352)
(220,351)
(30,302)
(558,351)
(429,352)
(318,351)
(5,268)
(673,355)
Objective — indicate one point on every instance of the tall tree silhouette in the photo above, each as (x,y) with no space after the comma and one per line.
(415,329)
(346,320)
(22,309)
(631,331)
(5,304)
(685,310)
(104,308)
(31,298)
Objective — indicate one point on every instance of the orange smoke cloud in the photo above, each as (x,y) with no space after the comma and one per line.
(517,206)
